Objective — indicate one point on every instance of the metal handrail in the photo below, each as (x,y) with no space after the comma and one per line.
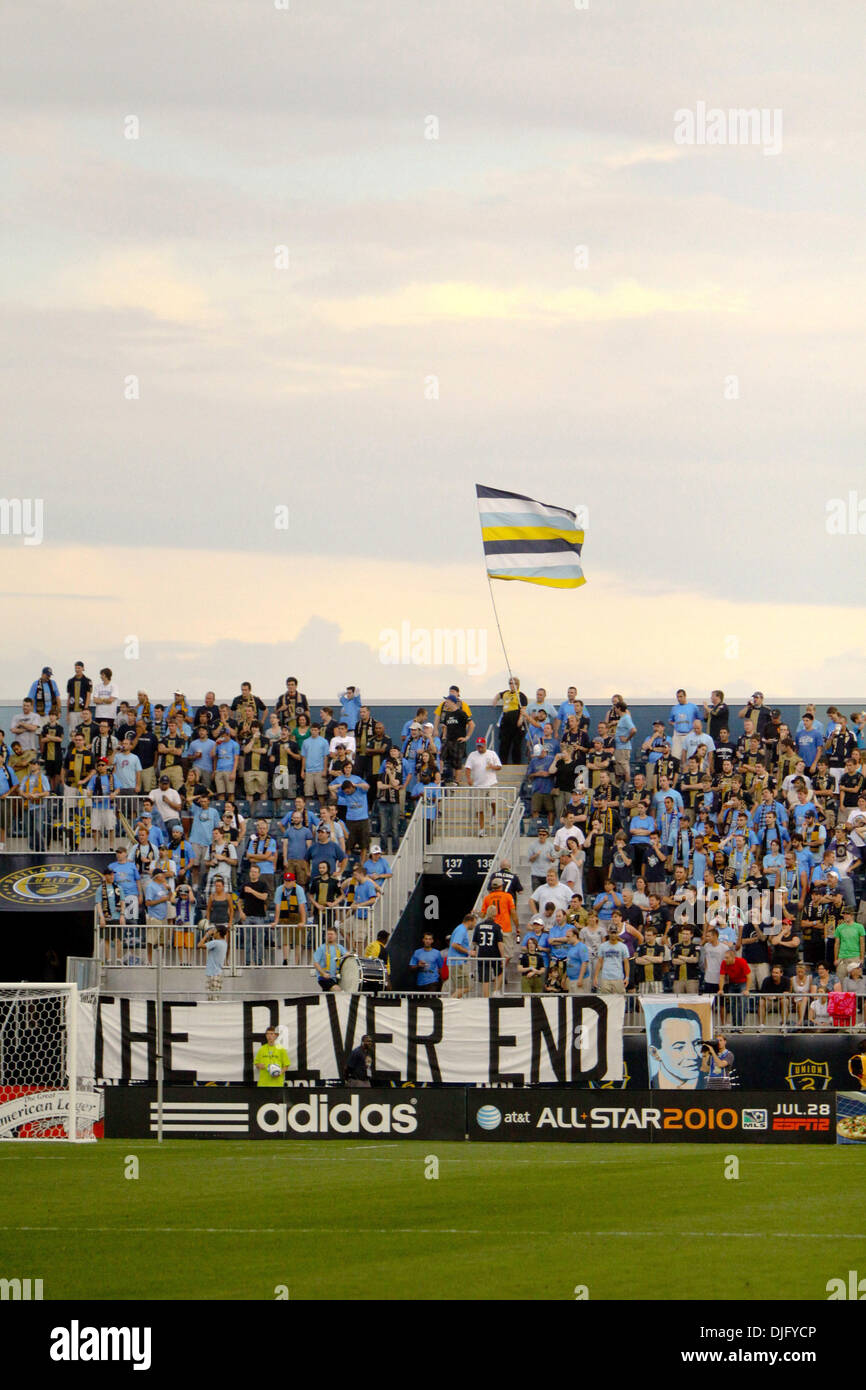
(504,850)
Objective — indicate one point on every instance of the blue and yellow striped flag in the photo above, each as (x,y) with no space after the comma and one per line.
(529,540)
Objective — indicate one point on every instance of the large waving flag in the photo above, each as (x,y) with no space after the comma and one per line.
(529,540)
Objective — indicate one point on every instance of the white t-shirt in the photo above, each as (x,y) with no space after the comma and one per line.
(25,728)
(712,960)
(167,802)
(563,835)
(342,741)
(101,692)
(559,895)
(482,768)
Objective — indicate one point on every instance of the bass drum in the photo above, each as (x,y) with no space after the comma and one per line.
(362,975)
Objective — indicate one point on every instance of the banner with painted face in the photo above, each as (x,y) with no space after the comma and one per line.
(677,1027)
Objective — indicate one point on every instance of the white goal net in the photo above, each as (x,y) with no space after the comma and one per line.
(47,1041)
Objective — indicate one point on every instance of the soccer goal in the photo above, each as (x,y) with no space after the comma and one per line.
(47,1045)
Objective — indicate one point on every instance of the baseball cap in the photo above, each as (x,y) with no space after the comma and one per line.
(289,877)
(481,740)
(47,671)
(375,849)
(414,724)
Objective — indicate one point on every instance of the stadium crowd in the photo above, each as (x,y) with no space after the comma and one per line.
(725,852)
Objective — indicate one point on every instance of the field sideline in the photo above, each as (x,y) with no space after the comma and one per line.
(345,1219)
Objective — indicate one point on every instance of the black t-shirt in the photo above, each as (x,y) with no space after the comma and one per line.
(532,960)
(145,750)
(76,689)
(53,754)
(686,969)
(717,720)
(456,723)
(208,712)
(565,776)
(771,987)
(850,786)
(253,906)
(654,865)
(755,952)
(648,970)
(487,936)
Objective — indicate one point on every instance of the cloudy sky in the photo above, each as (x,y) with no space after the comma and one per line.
(283,301)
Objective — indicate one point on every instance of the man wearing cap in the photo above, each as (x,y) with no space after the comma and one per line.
(481,769)
(325,850)
(290,911)
(167,803)
(45,694)
(757,711)
(101,788)
(455,729)
(499,906)
(377,868)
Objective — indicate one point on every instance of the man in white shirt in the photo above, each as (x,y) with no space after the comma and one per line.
(167,802)
(551,892)
(569,830)
(105,697)
(481,767)
(26,727)
(342,739)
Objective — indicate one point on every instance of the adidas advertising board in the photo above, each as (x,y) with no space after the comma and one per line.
(194,1112)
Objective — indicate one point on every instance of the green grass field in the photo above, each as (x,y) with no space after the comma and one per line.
(233,1220)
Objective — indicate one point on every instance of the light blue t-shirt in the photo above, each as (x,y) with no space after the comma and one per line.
(354,801)
(204,746)
(126,766)
(431,963)
(315,750)
(614,960)
(204,822)
(575,957)
(217,951)
(459,937)
(225,755)
(683,716)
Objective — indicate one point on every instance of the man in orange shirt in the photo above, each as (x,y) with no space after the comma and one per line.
(501,907)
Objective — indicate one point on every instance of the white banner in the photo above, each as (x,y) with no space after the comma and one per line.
(516,1041)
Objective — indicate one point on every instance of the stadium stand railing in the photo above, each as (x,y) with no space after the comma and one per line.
(75,824)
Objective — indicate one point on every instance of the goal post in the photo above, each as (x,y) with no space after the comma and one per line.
(47,1062)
